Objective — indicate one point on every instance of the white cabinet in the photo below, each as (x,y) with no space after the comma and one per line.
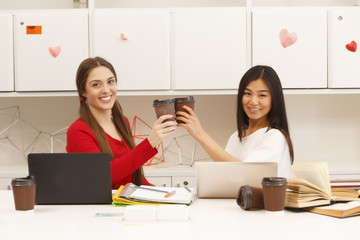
(160,181)
(208,48)
(137,43)
(49,46)
(172,181)
(9,171)
(6,53)
(175,176)
(184,181)
(5,183)
(294,42)
(344,55)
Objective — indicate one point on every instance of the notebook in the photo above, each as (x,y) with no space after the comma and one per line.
(145,195)
(71,178)
(224,179)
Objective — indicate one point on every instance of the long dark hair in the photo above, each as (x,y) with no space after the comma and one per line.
(121,125)
(277,115)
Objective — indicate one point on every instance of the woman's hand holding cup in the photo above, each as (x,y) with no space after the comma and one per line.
(164,126)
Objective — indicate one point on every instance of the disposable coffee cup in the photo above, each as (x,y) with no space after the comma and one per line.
(24,190)
(250,198)
(165,107)
(274,191)
(187,101)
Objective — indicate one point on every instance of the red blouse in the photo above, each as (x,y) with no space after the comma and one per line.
(80,139)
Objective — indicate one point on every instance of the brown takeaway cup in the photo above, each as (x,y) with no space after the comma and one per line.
(165,107)
(250,198)
(274,191)
(24,190)
(187,101)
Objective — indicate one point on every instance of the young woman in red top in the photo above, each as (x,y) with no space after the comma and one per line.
(102,126)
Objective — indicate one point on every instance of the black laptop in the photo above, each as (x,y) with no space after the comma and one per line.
(71,178)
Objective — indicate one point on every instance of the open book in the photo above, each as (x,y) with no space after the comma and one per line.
(339,210)
(145,195)
(311,187)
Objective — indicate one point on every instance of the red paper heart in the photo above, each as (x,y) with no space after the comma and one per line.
(351,46)
(123,36)
(286,38)
(55,51)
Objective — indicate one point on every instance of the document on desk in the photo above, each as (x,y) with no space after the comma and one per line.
(132,194)
(178,195)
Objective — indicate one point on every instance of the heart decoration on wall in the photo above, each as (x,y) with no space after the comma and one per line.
(55,51)
(352,46)
(286,38)
(123,36)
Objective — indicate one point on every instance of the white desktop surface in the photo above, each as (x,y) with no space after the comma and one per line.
(209,219)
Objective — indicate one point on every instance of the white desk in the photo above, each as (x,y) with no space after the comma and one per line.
(209,219)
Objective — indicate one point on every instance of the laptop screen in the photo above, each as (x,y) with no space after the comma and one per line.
(71,178)
(224,179)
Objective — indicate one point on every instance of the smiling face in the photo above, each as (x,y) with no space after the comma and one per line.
(256,102)
(100,90)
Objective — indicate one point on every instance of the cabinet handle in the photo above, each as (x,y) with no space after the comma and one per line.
(186,183)
(123,36)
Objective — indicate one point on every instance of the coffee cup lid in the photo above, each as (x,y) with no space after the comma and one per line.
(185,99)
(244,198)
(163,102)
(274,181)
(29,180)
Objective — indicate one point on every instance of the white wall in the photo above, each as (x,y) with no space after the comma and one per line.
(323,127)
(326,128)
(214,3)
(38,4)
(50,4)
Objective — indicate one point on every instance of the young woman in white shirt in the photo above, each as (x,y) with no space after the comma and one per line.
(263,132)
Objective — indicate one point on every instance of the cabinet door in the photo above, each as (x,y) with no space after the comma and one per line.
(294,42)
(160,181)
(344,57)
(5,183)
(138,46)
(208,48)
(49,46)
(6,56)
(183,181)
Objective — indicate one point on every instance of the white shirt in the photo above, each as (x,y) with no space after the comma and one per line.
(262,146)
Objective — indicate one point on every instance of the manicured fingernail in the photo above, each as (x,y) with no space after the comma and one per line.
(182,106)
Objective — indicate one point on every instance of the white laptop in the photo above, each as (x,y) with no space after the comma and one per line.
(224,179)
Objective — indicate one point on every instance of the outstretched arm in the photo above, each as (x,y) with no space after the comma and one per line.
(80,138)
(193,126)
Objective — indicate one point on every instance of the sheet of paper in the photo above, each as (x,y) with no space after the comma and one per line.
(181,195)
(342,206)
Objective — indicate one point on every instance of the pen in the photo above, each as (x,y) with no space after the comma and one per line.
(168,194)
(188,189)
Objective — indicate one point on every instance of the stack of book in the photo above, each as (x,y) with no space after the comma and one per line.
(348,183)
(310,188)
